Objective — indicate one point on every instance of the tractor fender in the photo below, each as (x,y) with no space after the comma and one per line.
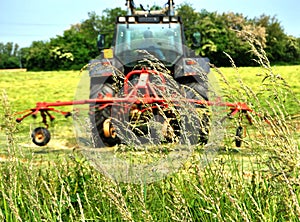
(192,66)
(101,67)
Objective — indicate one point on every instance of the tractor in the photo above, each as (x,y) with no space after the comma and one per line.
(141,37)
(148,75)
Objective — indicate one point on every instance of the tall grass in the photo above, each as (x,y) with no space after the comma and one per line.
(259,182)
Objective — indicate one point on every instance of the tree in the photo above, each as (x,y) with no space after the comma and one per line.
(9,56)
(292,50)
(276,38)
(228,41)
(71,50)
(37,56)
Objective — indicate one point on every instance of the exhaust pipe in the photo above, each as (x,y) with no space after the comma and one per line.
(130,7)
(171,8)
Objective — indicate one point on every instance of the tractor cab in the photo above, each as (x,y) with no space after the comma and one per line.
(150,34)
(160,36)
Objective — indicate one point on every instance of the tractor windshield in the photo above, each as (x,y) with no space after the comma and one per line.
(164,41)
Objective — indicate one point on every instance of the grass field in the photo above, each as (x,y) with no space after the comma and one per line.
(258,182)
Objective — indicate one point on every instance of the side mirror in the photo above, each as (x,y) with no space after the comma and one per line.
(196,38)
(100,41)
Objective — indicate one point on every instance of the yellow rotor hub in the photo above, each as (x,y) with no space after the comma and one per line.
(108,129)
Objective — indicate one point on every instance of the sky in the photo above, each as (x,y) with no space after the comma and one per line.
(24,21)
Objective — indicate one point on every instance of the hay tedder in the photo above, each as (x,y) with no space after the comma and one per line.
(148,73)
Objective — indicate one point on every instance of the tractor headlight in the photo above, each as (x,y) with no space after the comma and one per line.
(166,19)
(174,19)
(131,19)
(122,19)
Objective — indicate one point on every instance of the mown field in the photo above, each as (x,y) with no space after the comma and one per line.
(257,182)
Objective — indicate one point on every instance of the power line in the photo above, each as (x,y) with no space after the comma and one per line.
(31,24)
(19,35)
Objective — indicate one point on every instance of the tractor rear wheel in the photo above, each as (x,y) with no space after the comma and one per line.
(195,88)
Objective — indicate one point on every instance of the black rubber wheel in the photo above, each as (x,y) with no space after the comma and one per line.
(196,88)
(40,136)
(238,136)
(98,117)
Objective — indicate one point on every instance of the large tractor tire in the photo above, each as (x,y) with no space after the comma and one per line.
(195,88)
(103,132)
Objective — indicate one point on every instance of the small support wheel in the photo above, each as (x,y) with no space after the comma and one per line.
(238,136)
(108,129)
(40,136)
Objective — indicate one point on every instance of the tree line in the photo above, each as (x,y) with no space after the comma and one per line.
(226,32)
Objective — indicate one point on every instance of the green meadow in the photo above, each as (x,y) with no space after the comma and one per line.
(256,182)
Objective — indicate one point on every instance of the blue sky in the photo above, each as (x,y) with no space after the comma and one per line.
(24,21)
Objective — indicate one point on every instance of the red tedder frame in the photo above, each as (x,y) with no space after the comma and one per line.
(132,96)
